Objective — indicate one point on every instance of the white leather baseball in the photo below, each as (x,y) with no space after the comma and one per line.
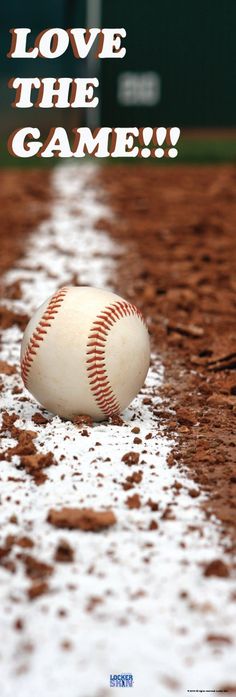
(85,351)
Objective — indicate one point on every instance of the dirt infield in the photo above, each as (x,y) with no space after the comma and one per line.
(114,537)
(179,228)
(23,197)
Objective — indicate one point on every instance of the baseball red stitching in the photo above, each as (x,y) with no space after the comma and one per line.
(40,332)
(96,366)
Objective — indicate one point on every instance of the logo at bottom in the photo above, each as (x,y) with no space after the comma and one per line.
(122,680)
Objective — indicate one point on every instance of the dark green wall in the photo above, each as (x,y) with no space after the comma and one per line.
(192,47)
(37,16)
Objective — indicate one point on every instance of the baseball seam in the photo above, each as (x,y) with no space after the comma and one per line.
(96,367)
(40,332)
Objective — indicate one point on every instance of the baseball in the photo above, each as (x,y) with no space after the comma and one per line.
(85,351)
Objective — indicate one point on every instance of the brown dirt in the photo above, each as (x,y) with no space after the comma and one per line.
(64,552)
(178,227)
(133,501)
(31,460)
(23,204)
(81,518)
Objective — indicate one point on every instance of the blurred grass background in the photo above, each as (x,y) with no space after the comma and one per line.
(201,149)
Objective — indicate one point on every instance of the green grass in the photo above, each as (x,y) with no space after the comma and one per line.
(207,150)
(191,150)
